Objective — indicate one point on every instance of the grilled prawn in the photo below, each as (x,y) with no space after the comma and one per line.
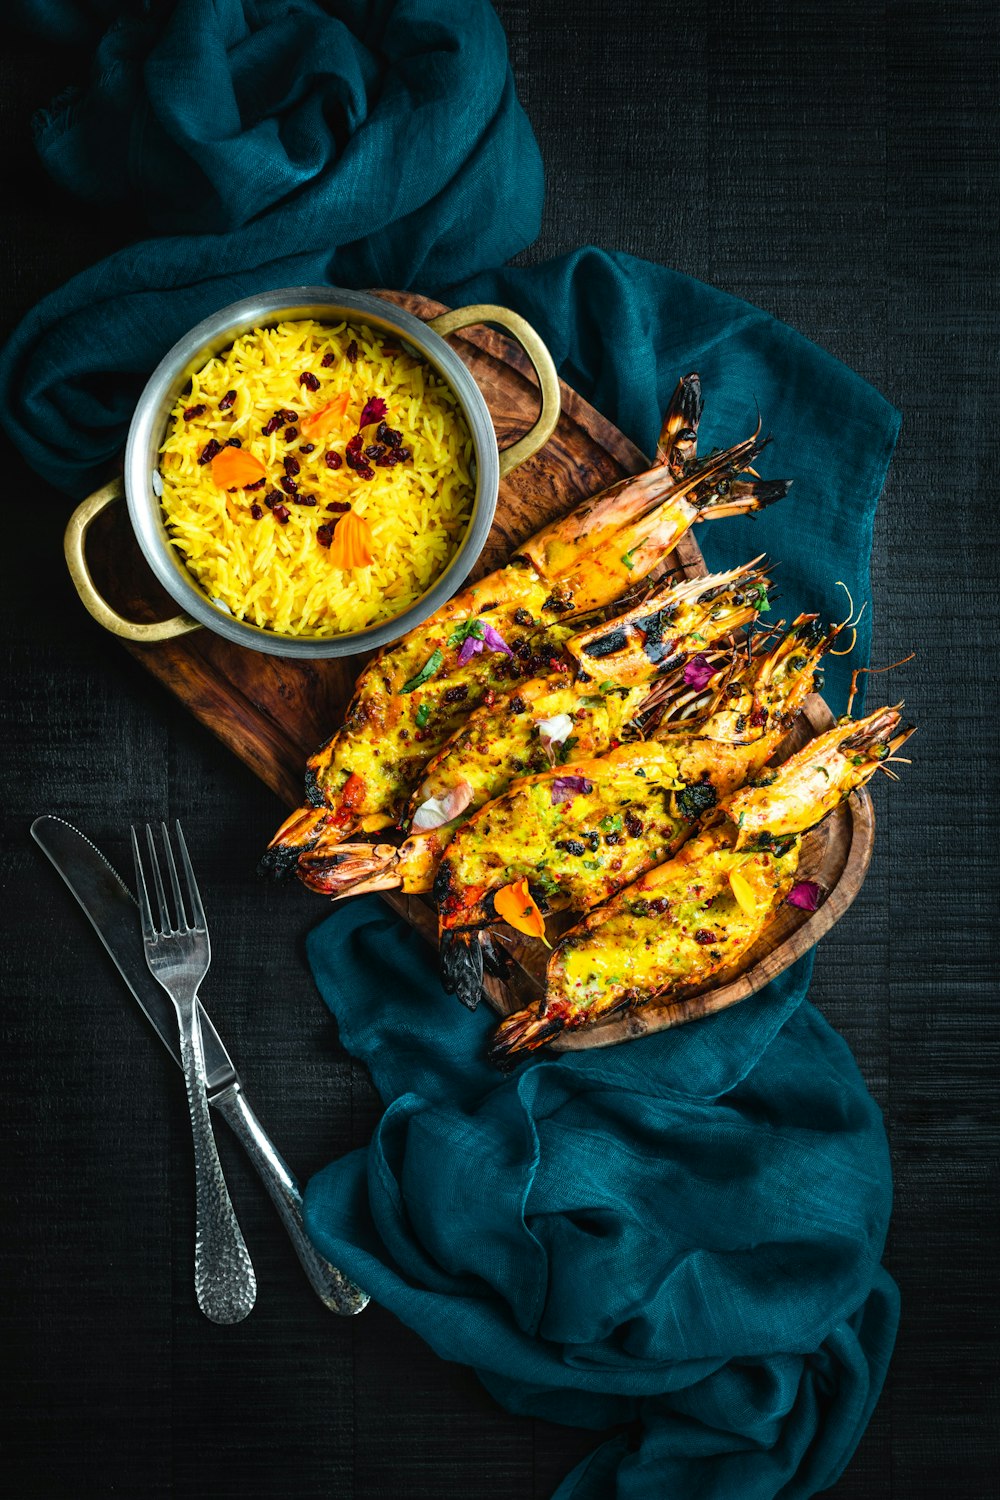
(549,720)
(698,914)
(413,696)
(571,837)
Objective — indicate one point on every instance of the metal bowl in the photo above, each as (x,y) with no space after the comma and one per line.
(210,337)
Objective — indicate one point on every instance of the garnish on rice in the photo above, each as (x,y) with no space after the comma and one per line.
(285,428)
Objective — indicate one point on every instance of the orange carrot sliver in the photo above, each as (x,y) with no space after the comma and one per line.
(232,469)
(515,905)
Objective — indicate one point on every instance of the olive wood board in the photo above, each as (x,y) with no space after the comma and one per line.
(273,712)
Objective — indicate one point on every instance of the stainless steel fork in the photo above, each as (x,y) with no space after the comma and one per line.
(178,957)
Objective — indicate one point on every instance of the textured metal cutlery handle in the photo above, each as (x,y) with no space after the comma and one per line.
(224,1280)
(333,1288)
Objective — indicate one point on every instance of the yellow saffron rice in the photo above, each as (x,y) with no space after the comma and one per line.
(279,576)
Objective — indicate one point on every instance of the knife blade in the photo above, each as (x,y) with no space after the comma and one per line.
(113,913)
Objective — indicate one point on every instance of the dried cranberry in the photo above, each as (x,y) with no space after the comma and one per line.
(387,460)
(633,825)
(280,513)
(291,433)
(457,693)
(256,511)
(758,718)
(517,705)
(355,443)
(363,471)
(273,498)
(304,499)
(227,401)
(272,425)
(571,846)
(523,618)
(292,465)
(327,360)
(331,459)
(308,448)
(660,905)
(612,838)
(404,455)
(191,412)
(234,442)
(209,451)
(286,415)
(288,485)
(374,451)
(258,484)
(352,350)
(703,936)
(309,380)
(339,507)
(324,533)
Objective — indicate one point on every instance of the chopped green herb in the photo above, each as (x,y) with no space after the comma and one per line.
(428,669)
(423,714)
(694,636)
(627,558)
(611,824)
(591,864)
(462,633)
(825,771)
(606,686)
(857,760)
(758,598)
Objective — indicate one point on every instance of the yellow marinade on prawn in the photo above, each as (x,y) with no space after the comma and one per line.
(570,838)
(413,696)
(695,917)
(549,720)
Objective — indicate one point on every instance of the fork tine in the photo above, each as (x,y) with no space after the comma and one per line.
(165,923)
(175,884)
(194,895)
(148,930)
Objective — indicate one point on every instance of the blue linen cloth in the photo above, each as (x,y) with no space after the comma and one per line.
(684,1232)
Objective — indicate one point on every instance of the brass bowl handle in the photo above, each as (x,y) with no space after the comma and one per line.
(541,359)
(75,546)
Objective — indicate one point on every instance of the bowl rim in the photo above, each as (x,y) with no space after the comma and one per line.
(212,335)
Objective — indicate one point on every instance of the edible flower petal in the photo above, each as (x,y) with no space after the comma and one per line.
(316,426)
(553,731)
(698,671)
(565,788)
(495,640)
(744,892)
(515,905)
(437,811)
(469,648)
(352,542)
(232,468)
(428,669)
(373,410)
(805,894)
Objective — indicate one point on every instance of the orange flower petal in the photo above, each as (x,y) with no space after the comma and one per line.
(232,468)
(352,543)
(515,905)
(318,425)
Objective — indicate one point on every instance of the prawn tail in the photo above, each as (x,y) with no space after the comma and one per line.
(524,1031)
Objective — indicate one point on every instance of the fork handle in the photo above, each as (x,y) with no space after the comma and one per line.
(333,1288)
(224,1280)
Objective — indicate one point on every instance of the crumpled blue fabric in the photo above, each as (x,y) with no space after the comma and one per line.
(683,1233)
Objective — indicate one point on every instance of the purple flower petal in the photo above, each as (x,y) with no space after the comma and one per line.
(495,640)
(373,411)
(804,894)
(698,671)
(469,648)
(565,788)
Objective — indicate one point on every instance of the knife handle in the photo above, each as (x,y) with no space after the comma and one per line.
(331,1286)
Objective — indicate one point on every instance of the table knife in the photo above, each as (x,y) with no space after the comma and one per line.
(114,915)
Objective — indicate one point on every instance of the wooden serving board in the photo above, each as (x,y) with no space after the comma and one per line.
(273,711)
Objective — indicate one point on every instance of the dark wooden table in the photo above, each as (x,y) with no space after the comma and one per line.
(837,165)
